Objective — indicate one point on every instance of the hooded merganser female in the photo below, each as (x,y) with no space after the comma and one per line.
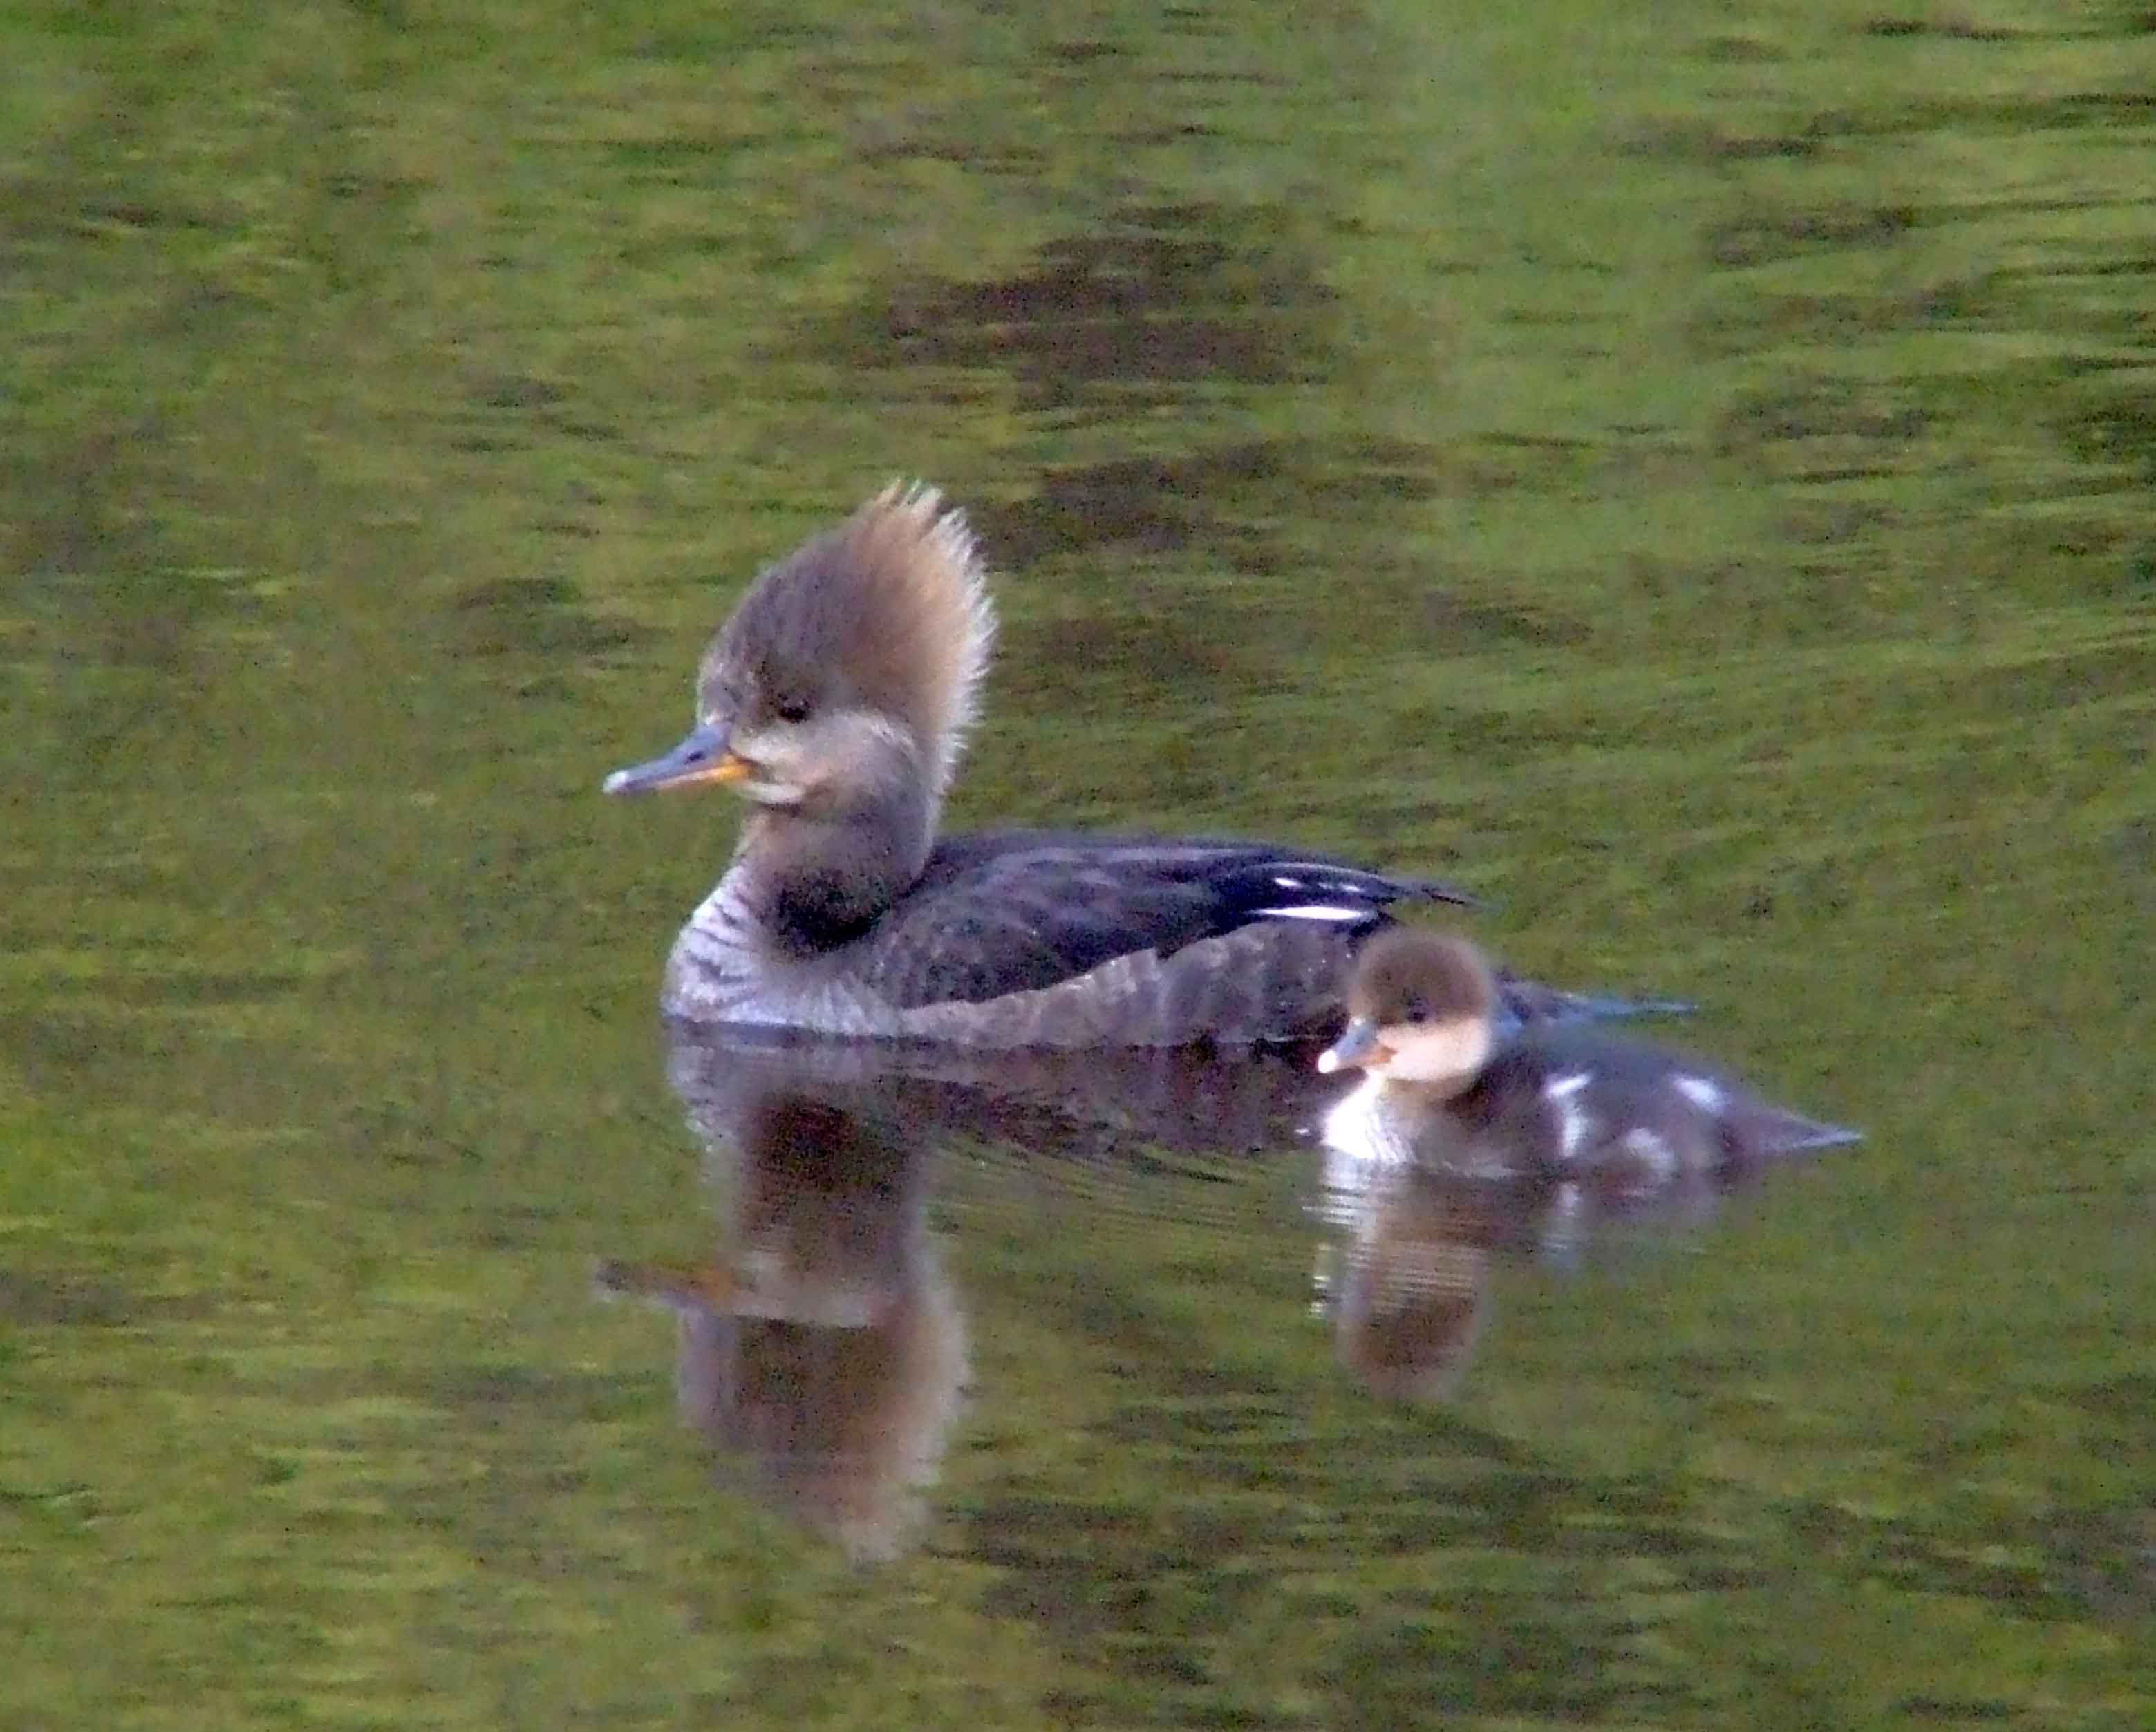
(1444,1089)
(836,701)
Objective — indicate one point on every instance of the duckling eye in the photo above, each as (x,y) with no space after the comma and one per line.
(791,709)
(1417,1008)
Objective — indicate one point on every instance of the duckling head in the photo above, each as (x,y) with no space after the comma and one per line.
(1419,1010)
(850,672)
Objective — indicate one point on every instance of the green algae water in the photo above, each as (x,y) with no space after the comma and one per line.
(1684,470)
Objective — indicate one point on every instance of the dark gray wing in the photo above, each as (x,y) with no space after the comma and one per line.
(1016,911)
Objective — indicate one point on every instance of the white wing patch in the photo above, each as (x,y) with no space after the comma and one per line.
(1651,1150)
(1704,1093)
(1573,1121)
(1315,911)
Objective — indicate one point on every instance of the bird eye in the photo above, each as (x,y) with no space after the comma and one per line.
(1417,1008)
(791,709)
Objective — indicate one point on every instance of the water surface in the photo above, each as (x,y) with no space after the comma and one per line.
(1683,469)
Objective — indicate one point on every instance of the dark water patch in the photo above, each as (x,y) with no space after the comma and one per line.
(1462,626)
(2131,1397)
(1485,1652)
(112,216)
(539,616)
(1072,665)
(1234,1420)
(1225,500)
(517,412)
(1526,1511)
(2070,113)
(1956,1710)
(83,503)
(1155,298)
(1224,76)
(54,1048)
(1821,428)
(1704,142)
(503,1392)
(2038,1572)
(197,986)
(1153,137)
(2105,1558)
(1951,29)
(1145,504)
(702,40)
(29,1299)
(2069,555)
(1753,239)
(2117,429)
(517,390)
(1738,326)
(879,143)
(1085,52)
(2097,367)
(663,162)
(1739,51)
(488,445)
(1834,522)
(2056,684)
(1141,502)
(1165,504)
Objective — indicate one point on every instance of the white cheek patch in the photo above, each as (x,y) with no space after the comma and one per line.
(1449,1052)
(1704,1093)
(1287,883)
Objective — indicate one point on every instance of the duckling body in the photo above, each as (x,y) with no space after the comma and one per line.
(1446,1088)
(836,699)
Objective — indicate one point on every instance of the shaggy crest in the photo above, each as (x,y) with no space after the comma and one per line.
(889,611)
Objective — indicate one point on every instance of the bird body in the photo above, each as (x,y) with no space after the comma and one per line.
(1446,1087)
(836,699)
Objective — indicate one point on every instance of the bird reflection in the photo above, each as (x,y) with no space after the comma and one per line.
(1410,1251)
(823,1348)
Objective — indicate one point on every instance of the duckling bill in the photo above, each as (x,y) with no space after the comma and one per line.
(1445,1089)
(836,701)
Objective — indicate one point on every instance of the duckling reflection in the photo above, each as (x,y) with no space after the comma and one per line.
(1465,1145)
(827,1349)
(836,698)
(1404,1275)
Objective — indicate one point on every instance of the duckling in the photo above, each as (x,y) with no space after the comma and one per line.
(1441,1087)
(836,699)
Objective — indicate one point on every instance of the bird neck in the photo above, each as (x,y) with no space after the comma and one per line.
(818,876)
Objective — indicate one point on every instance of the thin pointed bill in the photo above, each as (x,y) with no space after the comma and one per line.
(1358,1045)
(701,757)
(1814,1135)
(1775,1131)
